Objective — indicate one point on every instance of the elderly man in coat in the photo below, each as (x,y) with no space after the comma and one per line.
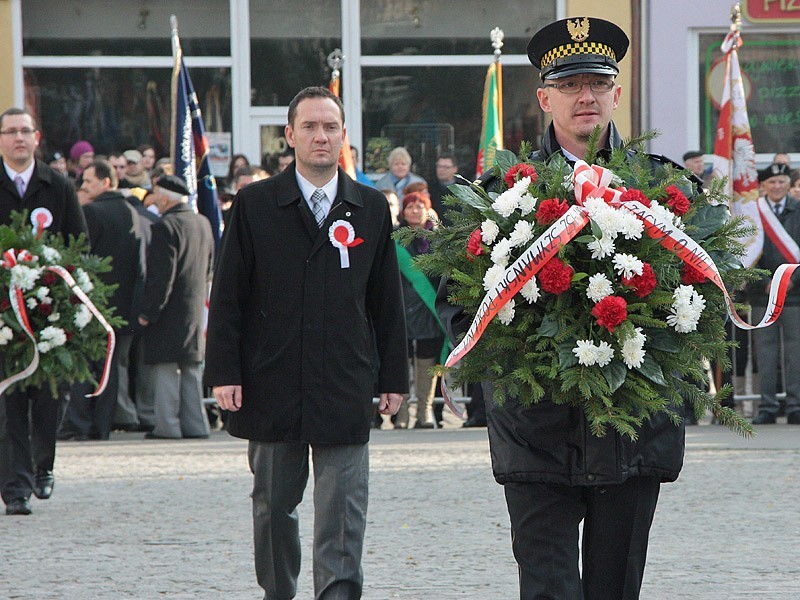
(306,323)
(178,271)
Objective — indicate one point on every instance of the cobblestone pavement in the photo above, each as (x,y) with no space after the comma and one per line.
(171,519)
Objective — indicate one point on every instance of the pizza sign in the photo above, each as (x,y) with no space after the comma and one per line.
(775,11)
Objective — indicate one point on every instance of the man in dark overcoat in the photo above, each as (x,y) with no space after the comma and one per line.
(306,324)
(115,231)
(31,415)
(179,264)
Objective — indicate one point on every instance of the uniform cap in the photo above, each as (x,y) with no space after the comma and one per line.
(172,183)
(773,170)
(577,45)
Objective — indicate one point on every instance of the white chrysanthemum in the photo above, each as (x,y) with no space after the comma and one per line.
(521,186)
(43,294)
(506,314)
(24,277)
(604,353)
(54,335)
(489,231)
(31,303)
(53,317)
(493,276)
(530,291)
(82,316)
(507,202)
(522,234)
(599,287)
(584,350)
(633,349)
(527,204)
(502,252)
(6,335)
(51,255)
(629,226)
(627,265)
(84,282)
(686,309)
(44,347)
(601,248)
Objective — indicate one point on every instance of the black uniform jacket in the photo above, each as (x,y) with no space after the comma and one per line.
(179,263)
(298,332)
(549,442)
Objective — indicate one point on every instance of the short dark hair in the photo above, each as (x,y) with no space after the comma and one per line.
(313,92)
(248,170)
(447,156)
(18,111)
(104,170)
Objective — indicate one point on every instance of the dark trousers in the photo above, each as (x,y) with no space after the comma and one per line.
(616,525)
(92,416)
(31,423)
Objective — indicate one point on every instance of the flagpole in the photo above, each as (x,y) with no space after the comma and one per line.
(735,27)
(497,36)
(176,68)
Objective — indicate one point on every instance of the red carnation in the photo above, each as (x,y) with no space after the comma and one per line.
(610,312)
(474,245)
(5,304)
(690,275)
(550,210)
(70,268)
(69,335)
(555,277)
(523,170)
(45,309)
(642,284)
(634,195)
(74,299)
(677,201)
(49,278)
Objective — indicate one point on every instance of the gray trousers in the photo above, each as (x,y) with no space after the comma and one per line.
(341,488)
(178,395)
(768,351)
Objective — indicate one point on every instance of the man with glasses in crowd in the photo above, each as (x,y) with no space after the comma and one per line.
(555,472)
(30,415)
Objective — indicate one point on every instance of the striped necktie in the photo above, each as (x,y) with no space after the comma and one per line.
(316,206)
(20,185)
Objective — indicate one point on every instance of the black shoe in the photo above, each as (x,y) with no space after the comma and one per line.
(764,418)
(474,422)
(793,418)
(126,427)
(18,506)
(152,436)
(43,484)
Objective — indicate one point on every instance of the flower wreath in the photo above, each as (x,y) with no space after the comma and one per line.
(55,322)
(613,321)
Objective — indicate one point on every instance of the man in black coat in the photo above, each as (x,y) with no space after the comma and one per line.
(306,323)
(32,414)
(115,231)
(179,264)
(556,473)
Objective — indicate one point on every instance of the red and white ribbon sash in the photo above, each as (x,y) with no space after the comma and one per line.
(777,233)
(591,182)
(16,297)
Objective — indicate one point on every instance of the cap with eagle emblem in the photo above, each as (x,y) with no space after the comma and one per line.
(577,45)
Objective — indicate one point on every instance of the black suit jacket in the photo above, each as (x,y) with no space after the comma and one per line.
(115,231)
(295,329)
(178,271)
(46,189)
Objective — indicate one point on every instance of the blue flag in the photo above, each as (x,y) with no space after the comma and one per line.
(189,144)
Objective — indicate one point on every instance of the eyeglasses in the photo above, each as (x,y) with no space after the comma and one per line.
(598,86)
(26,132)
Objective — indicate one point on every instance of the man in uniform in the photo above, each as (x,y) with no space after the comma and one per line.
(555,472)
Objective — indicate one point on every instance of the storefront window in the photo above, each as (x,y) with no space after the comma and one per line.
(118,109)
(416,107)
(430,27)
(96,28)
(289,44)
(770,65)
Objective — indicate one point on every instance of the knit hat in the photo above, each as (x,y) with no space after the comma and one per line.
(80,148)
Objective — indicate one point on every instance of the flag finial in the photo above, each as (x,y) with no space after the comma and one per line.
(736,17)
(335,62)
(497,35)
